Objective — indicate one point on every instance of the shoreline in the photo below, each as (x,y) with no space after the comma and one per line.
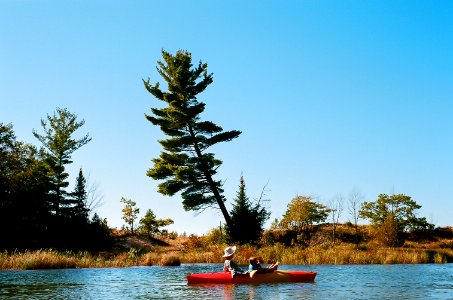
(135,250)
(52,259)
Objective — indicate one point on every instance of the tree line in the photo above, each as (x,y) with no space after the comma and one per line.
(36,208)
(149,224)
(390,216)
(246,215)
(38,211)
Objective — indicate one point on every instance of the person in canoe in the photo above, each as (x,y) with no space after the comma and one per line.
(229,265)
(256,267)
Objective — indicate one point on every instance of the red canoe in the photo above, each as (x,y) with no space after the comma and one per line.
(273,277)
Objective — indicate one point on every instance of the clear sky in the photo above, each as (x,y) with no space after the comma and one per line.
(331,96)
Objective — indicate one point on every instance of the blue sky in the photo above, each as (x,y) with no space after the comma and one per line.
(331,96)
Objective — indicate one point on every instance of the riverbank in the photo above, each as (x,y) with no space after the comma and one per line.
(129,250)
(138,251)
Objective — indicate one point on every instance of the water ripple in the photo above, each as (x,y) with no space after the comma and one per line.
(333,282)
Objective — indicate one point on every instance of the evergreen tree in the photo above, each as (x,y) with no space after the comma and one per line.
(99,236)
(26,219)
(151,226)
(24,188)
(59,145)
(75,205)
(247,218)
(184,165)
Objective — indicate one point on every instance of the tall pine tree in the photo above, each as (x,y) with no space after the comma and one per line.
(59,145)
(184,165)
(247,218)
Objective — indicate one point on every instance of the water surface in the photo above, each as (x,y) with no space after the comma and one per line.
(427,281)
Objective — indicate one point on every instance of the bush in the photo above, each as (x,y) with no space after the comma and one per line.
(170,259)
(172,235)
(134,253)
(150,259)
(388,233)
(193,242)
(349,237)
(284,236)
(215,237)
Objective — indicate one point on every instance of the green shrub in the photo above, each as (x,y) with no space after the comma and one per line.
(215,237)
(134,253)
(172,235)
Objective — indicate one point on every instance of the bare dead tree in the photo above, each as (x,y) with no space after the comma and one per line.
(355,200)
(95,196)
(263,195)
(336,209)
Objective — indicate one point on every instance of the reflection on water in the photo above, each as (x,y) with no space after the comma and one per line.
(333,282)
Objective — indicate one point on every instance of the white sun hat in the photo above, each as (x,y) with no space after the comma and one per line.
(229,251)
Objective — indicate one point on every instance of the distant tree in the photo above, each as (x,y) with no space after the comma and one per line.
(24,188)
(151,226)
(302,213)
(130,212)
(8,162)
(184,165)
(247,218)
(94,196)
(275,224)
(99,234)
(74,205)
(402,209)
(392,215)
(336,208)
(355,200)
(27,221)
(59,145)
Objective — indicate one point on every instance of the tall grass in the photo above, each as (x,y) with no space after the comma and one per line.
(344,254)
(41,259)
(52,259)
(350,255)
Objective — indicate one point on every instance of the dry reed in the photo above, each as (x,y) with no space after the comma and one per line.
(170,259)
(346,255)
(343,254)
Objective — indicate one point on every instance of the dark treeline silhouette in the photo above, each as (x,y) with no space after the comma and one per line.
(36,211)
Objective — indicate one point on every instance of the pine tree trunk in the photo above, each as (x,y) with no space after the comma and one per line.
(217,196)
(211,183)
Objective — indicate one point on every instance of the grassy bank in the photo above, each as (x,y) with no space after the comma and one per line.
(50,259)
(436,247)
(320,255)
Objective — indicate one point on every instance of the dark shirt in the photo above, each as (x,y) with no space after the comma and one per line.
(231,266)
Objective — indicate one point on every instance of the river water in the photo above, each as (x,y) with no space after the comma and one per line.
(427,281)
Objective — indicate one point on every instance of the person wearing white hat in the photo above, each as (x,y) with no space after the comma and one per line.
(229,265)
